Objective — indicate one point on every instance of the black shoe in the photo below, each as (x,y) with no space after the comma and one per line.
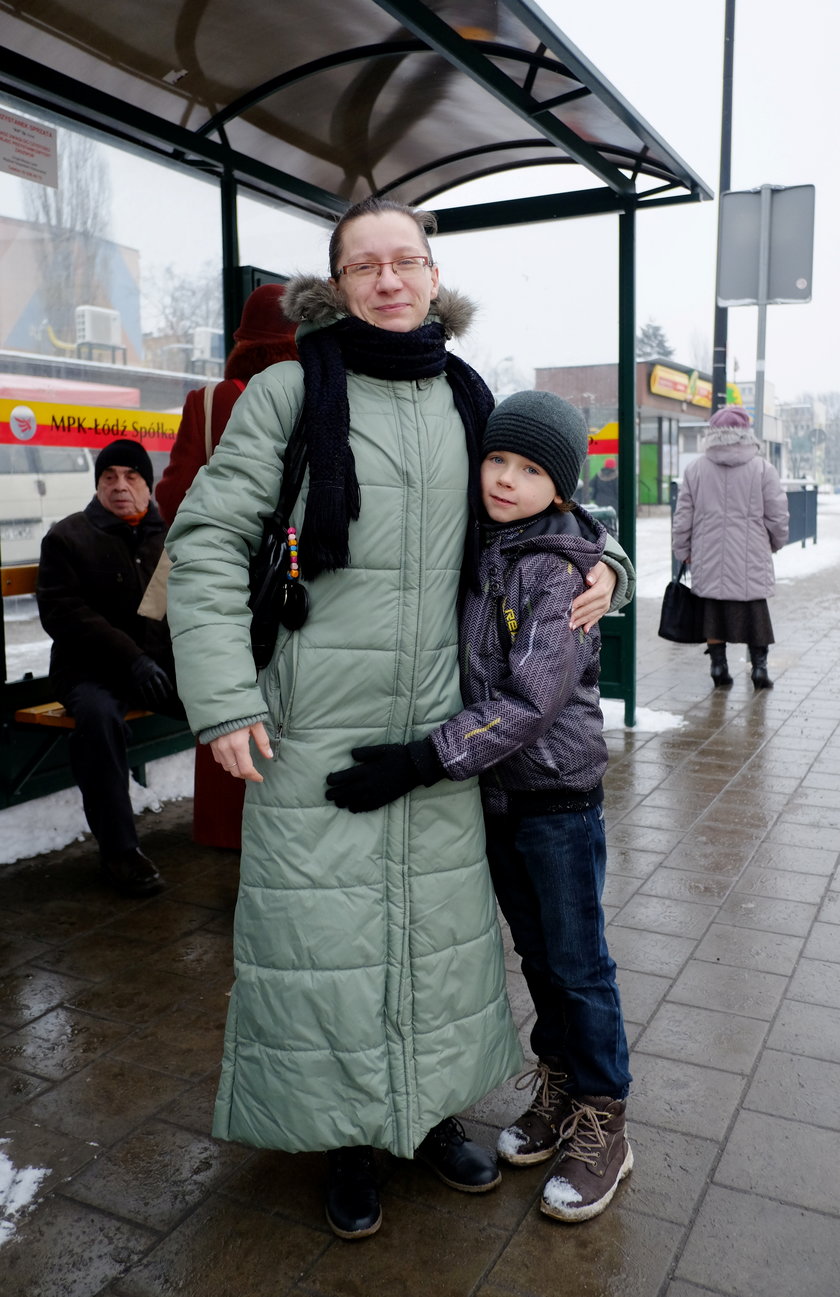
(352,1201)
(132,873)
(460,1163)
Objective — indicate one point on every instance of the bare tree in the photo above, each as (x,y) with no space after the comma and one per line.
(701,350)
(74,220)
(175,304)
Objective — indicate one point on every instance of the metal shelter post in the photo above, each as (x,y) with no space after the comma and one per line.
(618,633)
(627,437)
(721,325)
(232,307)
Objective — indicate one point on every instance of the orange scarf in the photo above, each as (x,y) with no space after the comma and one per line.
(134,518)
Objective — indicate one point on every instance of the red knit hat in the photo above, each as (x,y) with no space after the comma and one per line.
(263,319)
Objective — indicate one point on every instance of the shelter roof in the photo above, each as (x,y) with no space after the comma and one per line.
(320,102)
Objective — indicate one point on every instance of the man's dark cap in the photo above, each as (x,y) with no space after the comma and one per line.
(124,454)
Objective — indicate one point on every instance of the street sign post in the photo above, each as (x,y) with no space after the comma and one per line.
(765,257)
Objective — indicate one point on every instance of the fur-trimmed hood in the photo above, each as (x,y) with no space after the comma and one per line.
(313,300)
(731,425)
(729,437)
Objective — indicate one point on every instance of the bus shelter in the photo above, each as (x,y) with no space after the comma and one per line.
(311,105)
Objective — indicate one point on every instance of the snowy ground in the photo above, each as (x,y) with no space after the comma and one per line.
(51,822)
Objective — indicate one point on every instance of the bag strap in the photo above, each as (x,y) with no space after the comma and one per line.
(295,458)
(208,422)
(209,393)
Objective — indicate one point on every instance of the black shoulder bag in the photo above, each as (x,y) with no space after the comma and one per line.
(681,619)
(277,596)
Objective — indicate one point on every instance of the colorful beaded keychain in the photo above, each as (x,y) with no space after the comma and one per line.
(294,570)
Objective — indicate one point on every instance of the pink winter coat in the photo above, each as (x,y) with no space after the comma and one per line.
(731,517)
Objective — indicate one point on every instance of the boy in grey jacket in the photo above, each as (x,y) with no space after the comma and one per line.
(531,728)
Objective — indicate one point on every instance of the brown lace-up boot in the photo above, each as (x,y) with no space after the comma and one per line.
(535,1136)
(595,1160)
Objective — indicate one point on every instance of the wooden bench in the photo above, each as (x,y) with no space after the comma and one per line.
(55,714)
(18,580)
(23,580)
(34,760)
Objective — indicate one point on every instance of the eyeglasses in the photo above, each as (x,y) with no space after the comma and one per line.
(403,268)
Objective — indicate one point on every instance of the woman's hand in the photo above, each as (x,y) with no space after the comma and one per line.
(233,751)
(590,606)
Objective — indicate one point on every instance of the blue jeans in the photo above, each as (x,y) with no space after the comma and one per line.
(548,872)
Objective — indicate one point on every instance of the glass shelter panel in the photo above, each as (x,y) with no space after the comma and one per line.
(110,312)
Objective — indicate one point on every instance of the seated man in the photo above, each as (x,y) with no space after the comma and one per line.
(106,658)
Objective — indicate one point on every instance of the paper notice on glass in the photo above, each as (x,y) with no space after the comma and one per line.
(28,149)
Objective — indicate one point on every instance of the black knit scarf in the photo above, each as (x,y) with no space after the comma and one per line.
(334,498)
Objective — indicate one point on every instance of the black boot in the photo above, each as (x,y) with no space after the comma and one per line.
(758,657)
(460,1162)
(720,669)
(352,1201)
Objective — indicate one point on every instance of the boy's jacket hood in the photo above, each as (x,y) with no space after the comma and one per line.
(572,532)
(312,300)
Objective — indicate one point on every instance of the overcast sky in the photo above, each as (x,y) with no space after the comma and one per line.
(666,58)
(547,294)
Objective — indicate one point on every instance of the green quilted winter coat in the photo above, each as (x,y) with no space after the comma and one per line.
(370,997)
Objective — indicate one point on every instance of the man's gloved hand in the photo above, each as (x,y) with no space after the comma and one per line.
(384,773)
(150,684)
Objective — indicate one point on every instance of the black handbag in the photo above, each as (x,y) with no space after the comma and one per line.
(277,596)
(681,619)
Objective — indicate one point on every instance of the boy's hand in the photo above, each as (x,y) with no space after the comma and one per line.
(590,606)
(384,773)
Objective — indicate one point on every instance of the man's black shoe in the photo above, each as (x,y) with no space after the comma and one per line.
(132,873)
(460,1162)
(352,1201)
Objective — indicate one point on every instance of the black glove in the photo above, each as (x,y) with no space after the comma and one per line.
(384,773)
(150,684)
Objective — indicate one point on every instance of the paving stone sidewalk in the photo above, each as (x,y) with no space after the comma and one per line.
(723,901)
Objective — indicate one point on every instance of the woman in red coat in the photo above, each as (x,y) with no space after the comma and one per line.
(264,337)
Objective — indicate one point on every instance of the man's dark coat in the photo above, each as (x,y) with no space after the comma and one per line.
(94,570)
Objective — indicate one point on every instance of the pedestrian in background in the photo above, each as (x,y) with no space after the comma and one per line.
(264,337)
(106,659)
(731,517)
(604,485)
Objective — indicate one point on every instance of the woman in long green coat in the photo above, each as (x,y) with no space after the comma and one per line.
(370,1003)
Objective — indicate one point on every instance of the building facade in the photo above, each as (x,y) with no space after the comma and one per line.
(673,404)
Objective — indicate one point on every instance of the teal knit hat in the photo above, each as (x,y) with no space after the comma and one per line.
(545,429)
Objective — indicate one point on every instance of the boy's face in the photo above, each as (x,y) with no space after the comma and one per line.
(514,488)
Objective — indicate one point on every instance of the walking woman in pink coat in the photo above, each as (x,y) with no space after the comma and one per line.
(730,519)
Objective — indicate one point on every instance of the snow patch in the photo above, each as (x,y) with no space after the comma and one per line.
(647,719)
(18,1187)
(51,822)
(559,1193)
(510,1141)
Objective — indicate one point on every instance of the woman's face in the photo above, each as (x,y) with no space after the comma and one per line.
(385,299)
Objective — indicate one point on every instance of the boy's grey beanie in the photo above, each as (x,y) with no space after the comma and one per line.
(545,429)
